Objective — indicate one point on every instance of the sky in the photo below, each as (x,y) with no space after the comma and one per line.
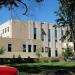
(42,12)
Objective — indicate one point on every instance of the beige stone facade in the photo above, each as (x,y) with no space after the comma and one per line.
(25,38)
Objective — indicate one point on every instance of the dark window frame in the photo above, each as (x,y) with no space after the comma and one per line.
(34,48)
(24,47)
(34,32)
(29,48)
(49,35)
(9,47)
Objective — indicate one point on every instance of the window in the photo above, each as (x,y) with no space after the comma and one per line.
(46,49)
(49,52)
(9,47)
(34,47)
(29,48)
(42,36)
(61,33)
(8,29)
(34,33)
(42,49)
(5,30)
(24,48)
(49,35)
(55,35)
(56,53)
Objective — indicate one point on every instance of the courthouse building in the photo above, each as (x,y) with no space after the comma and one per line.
(26,38)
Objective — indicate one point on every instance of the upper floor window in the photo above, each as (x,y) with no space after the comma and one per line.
(8,29)
(56,35)
(62,33)
(49,35)
(5,30)
(34,33)
(42,36)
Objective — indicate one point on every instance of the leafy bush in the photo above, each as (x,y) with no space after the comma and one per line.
(2,50)
(55,60)
(67,52)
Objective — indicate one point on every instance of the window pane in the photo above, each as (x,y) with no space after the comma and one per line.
(49,35)
(5,30)
(34,33)
(34,48)
(9,47)
(55,35)
(49,52)
(42,49)
(29,48)
(56,53)
(8,29)
(24,48)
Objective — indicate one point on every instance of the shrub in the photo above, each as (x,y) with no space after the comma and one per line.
(2,50)
(67,52)
(55,60)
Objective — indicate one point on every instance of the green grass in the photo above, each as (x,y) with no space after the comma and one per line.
(23,73)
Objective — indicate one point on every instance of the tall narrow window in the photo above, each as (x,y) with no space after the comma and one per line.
(56,53)
(49,35)
(42,36)
(5,30)
(55,35)
(62,34)
(8,29)
(34,47)
(46,49)
(24,48)
(9,47)
(29,48)
(49,52)
(34,33)
(42,49)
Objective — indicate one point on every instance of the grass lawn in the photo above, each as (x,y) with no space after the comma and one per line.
(23,73)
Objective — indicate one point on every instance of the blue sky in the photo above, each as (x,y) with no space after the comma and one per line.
(43,12)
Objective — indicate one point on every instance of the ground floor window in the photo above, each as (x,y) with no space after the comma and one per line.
(9,47)
(56,53)
(24,48)
(42,49)
(29,48)
(34,48)
(49,52)
(46,49)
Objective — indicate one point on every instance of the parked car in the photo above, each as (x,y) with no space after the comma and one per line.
(7,70)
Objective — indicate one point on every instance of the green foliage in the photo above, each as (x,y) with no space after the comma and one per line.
(2,50)
(38,52)
(54,60)
(66,13)
(67,52)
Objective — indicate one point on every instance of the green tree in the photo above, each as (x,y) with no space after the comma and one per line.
(38,52)
(2,50)
(67,52)
(66,13)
